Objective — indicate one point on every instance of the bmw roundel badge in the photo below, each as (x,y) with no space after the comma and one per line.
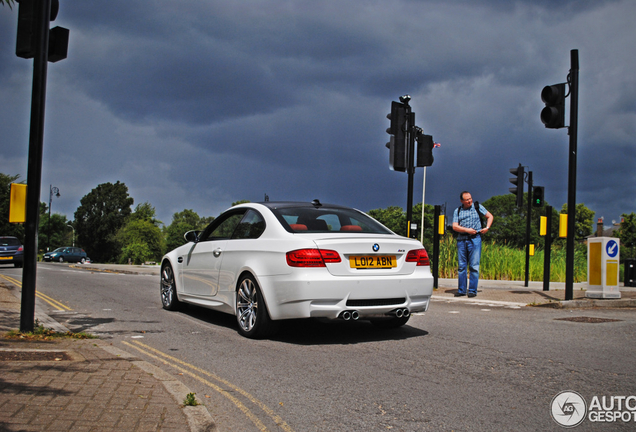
(376,247)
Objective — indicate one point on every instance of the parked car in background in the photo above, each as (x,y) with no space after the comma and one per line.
(11,251)
(66,254)
(265,262)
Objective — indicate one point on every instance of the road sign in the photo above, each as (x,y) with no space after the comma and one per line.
(603,255)
(611,248)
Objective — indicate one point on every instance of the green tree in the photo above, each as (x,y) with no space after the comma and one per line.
(627,234)
(6,228)
(394,218)
(141,238)
(145,211)
(182,222)
(509,223)
(583,225)
(56,234)
(102,212)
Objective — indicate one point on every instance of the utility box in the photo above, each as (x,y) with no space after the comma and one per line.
(630,272)
(603,258)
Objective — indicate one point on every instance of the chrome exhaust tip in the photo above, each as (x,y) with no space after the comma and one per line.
(346,315)
(355,315)
(399,313)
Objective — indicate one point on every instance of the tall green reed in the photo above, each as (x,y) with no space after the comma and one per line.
(500,262)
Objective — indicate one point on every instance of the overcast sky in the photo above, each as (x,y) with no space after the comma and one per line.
(197,104)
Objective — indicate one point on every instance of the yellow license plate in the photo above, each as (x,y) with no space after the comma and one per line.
(1,258)
(372,261)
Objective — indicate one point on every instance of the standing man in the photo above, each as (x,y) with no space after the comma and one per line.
(467,221)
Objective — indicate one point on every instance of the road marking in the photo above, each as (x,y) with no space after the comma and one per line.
(147,350)
(50,300)
(474,301)
(11,279)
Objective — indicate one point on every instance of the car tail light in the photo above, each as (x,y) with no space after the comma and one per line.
(312,257)
(20,249)
(418,256)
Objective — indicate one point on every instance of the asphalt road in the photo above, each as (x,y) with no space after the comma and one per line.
(457,367)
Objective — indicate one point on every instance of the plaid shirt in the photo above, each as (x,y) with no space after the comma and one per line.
(468,218)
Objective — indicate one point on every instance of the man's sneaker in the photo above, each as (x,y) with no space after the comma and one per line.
(460,294)
(472,294)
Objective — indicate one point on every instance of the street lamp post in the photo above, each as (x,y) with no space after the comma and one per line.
(68,224)
(52,191)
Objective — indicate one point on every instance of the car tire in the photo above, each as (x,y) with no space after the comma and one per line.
(60,259)
(251,313)
(389,323)
(83,260)
(168,288)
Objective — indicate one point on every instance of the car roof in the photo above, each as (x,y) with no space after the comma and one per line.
(286,204)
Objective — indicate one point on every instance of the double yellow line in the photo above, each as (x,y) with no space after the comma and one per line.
(56,304)
(205,377)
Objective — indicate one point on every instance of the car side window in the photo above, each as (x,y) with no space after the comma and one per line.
(251,227)
(223,228)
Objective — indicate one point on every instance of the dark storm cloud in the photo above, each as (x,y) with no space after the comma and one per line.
(197,104)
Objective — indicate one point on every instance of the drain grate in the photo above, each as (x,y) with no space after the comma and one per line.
(34,355)
(590,320)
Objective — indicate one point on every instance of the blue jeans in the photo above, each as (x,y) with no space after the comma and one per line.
(468,255)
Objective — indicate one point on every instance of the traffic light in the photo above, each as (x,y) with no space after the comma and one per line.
(518,182)
(25,44)
(424,149)
(553,115)
(26,15)
(58,44)
(397,130)
(537,196)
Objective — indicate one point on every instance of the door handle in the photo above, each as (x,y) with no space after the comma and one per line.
(180,260)
(217,253)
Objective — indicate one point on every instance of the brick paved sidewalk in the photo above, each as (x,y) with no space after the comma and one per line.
(80,387)
(85,385)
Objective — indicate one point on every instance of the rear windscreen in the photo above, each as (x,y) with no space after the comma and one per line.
(325,219)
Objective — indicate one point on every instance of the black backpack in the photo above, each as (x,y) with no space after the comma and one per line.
(482,218)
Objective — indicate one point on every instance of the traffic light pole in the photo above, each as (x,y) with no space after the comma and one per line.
(548,249)
(436,229)
(403,156)
(41,23)
(528,225)
(410,168)
(572,132)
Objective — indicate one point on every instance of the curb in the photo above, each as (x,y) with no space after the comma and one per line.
(199,418)
(478,301)
(591,303)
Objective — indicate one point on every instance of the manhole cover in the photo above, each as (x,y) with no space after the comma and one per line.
(33,355)
(590,320)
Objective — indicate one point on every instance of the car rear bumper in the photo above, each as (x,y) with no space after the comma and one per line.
(12,259)
(307,296)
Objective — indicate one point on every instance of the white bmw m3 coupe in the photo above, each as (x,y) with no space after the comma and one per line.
(271,261)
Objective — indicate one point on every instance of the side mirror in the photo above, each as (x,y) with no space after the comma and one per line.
(192,236)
